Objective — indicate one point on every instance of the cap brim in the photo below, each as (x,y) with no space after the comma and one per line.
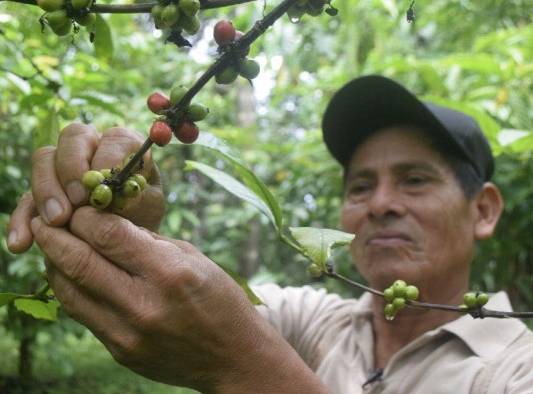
(369,103)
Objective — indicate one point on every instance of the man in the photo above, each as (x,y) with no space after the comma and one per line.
(417,194)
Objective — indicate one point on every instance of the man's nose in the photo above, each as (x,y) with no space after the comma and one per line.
(385,201)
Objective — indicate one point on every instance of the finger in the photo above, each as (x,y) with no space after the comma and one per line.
(51,201)
(120,241)
(83,266)
(20,238)
(116,145)
(99,317)
(75,150)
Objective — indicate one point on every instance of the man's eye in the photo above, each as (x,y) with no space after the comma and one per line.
(359,188)
(415,180)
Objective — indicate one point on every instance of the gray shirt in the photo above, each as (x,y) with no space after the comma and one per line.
(334,337)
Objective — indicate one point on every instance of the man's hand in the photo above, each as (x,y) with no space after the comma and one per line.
(165,310)
(56,186)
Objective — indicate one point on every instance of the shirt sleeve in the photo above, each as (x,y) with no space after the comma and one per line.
(307,318)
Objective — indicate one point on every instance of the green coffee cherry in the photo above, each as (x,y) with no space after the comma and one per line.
(191,24)
(57,18)
(398,303)
(227,76)
(197,112)
(86,20)
(51,5)
(101,196)
(91,179)
(131,188)
(470,300)
(170,15)
(411,293)
(315,271)
(79,4)
(482,299)
(295,12)
(249,69)
(177,93)
(62,30)
(157,11)
(399,286)
(141,180)
(313,10)
(106,172)
(388,294)
(389,311)
(189,7)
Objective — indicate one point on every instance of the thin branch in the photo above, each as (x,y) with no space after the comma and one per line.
(353,283)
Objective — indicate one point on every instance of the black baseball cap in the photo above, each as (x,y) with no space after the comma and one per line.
(372,102)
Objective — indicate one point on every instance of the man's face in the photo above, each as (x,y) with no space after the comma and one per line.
(410,216)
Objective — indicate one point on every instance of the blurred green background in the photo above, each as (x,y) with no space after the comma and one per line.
(474,55)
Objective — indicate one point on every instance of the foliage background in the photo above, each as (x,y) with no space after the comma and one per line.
(470,54)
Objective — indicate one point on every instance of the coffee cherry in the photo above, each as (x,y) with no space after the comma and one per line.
(91,179)
(170,15)
(86,20)
(62,30)
(224,32)
(191,24)
(470,300)
(106,172)
(79,4)
(141,180)
(245,51)
(51,5)
(315,271)
(295,13)
(157,11)
(411,293)
(57,18)
(187,132)
(160,133)
(482,299)
(399,287)
(177,93)
(101,196)
(189,7)
(131,188)
(398,303)
(249,68)
(227,76)
(158,102)
(197,112)
(388,294)
(313,10)
(389,311)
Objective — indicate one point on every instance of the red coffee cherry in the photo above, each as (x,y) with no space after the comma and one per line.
(187,132)
(224,32)
(158,102)
(160,133)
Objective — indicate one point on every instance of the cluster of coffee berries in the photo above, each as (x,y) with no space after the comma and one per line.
(226,37)
(186,131)
(177,15)
(315,271)
(396,297)
(101,193)
(309,7)
(60,14)
(474,300)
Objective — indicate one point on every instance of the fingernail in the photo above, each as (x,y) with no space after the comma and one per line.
(12,238)
(52,210)
(76,192)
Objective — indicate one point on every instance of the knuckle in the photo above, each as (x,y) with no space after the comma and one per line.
(108,234)
(41,154)
(124,347)
(75,130)
(78,264)
(122,133)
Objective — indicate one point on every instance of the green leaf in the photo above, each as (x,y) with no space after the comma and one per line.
(243,283)
(103,101)
(318,242)
(37,308)
(47,131)
(232,185)
(103,40)
(6,298)
(251,181)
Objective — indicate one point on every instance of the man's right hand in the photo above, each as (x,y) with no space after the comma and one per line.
(56,181)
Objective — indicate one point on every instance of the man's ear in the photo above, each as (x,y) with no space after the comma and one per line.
(489,206)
